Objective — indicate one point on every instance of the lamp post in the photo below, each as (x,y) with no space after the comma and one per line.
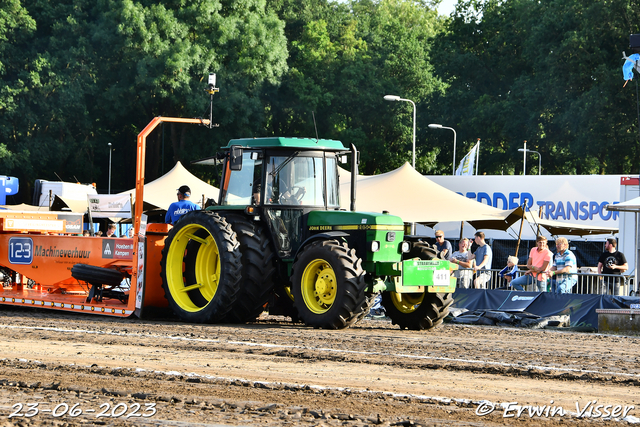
(525,151)
(436,126)
(397,98)
(109,168)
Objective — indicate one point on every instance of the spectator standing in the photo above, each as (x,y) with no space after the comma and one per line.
(564,263)
(612,261)
(482,257)
(181,207)
(461,258)
(538,266)
(111,231)
(443,246)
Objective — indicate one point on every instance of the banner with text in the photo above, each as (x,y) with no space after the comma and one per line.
(110,205)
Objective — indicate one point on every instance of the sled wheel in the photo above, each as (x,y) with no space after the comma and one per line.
(422,251)
(201,267)
(418,311)
(257,269)
(96,275)
(328,285)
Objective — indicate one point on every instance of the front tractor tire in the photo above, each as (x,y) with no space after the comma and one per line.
(201,267)
(417,311)
(328,285)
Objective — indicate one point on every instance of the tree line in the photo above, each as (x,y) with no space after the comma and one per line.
(77,75)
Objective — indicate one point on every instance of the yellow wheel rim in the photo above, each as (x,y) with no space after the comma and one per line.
(319,286)
(193,297)
(406,303)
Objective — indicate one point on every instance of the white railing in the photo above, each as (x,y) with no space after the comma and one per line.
(588,283)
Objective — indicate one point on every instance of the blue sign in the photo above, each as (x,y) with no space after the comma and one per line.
(20,250)
(8,187)
(576,210)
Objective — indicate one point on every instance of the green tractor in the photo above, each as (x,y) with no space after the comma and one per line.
(277,238)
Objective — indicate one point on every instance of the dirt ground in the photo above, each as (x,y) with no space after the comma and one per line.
(61,369)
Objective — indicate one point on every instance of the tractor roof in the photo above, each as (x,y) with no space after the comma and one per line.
(295,143)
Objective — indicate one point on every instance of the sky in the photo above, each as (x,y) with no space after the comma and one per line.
(446,7)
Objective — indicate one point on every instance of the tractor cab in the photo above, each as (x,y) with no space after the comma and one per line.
(281,180)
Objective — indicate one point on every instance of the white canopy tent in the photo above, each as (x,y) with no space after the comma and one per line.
(415,198)
(162,191)
(158,194)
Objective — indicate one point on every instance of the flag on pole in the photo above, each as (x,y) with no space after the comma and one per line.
(630,63)
(467,163)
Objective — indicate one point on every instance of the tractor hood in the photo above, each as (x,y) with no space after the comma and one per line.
(346,220)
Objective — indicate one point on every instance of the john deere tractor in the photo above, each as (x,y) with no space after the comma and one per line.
(277,238)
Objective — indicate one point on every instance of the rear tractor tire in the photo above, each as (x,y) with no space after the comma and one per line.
(328,285)
(258,269)
(417,311)
(201,267)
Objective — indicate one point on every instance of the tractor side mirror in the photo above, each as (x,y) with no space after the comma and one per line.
(235,158)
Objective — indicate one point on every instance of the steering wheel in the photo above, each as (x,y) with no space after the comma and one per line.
(293,195)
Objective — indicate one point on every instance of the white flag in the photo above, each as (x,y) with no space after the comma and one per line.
(467,163)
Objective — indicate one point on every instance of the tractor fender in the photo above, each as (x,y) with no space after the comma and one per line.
(320,236)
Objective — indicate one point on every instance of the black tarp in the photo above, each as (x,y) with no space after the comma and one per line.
(581,308)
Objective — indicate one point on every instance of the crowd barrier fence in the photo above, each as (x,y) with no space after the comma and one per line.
(588,282)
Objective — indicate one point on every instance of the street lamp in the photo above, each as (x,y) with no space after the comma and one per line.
(524,150)
(397,98)
(435,126)
(109,167)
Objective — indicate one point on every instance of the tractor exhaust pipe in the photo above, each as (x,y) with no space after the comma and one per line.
(354,175)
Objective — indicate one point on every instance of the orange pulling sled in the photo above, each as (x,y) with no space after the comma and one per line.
(43,265)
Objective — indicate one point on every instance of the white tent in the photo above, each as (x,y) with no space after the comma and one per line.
(162,191)
(561,228)
(158,194)
(632,205)
(414,198)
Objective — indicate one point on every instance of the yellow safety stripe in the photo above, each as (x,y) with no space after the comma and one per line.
(356,227)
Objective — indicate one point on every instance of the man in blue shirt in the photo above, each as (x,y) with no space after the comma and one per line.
(181,207)
(563,263)
(483,257)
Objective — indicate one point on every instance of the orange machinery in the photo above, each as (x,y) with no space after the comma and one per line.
(37,255)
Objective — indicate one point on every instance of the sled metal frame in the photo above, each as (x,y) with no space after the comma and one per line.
(62,291)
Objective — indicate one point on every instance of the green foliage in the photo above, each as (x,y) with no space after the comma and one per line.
(79,74)
(96,72)
(547,72)
(344,59)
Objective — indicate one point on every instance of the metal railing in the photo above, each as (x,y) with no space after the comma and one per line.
(587,283)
